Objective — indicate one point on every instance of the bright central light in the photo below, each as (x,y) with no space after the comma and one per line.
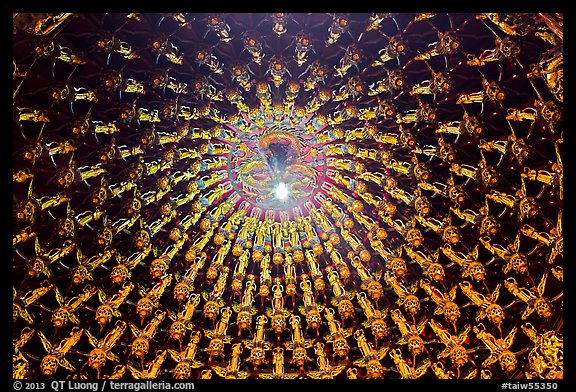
(282,191)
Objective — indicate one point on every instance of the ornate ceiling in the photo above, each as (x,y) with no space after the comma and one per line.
(287,195)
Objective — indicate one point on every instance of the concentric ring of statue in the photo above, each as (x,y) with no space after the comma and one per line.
(281,196)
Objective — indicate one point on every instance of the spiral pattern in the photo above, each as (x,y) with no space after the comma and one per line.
(420,235)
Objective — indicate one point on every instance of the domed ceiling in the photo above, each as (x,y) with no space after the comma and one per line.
(309,195)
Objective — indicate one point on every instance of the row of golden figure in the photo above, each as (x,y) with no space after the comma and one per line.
(149,309)
(506,48)
(287,257)
(159,266)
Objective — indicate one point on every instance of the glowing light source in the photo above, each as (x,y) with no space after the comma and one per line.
(282,191)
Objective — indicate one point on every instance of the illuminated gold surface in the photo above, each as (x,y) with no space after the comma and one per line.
(421,238)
